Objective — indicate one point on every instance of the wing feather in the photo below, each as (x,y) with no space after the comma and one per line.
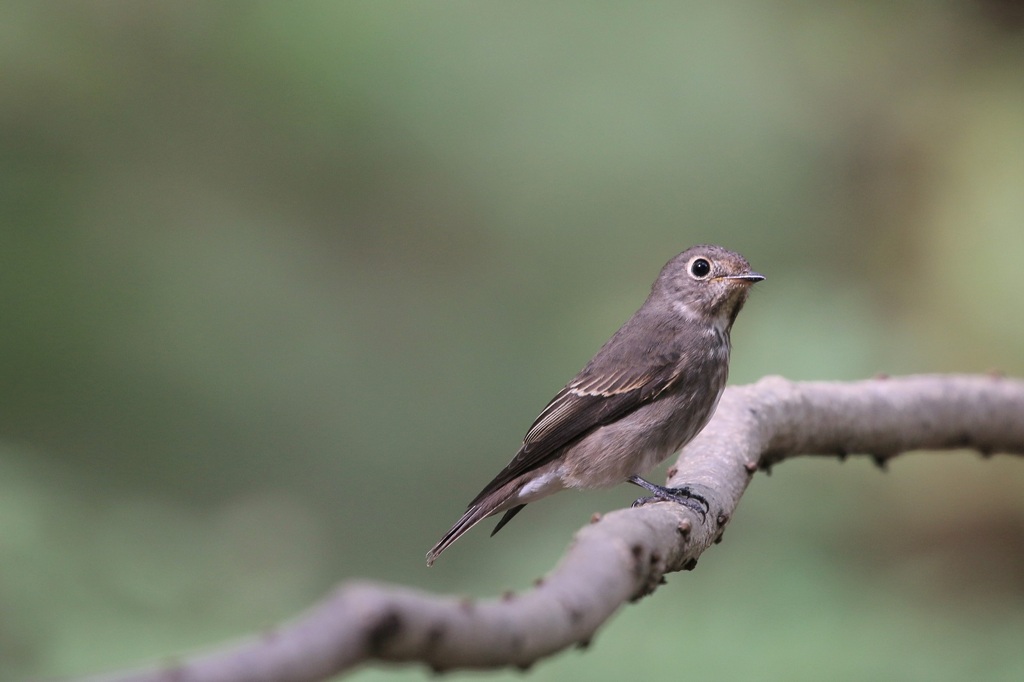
(589,401)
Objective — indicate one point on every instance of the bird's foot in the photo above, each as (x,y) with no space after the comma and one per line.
(684,496)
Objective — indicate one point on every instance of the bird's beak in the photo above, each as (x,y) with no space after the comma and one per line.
(748,277)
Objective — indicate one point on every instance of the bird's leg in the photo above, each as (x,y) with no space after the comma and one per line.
(683,496)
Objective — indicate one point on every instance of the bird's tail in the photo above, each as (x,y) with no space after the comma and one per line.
(491,504)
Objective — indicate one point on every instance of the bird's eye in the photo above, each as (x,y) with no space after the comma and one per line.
(700,268)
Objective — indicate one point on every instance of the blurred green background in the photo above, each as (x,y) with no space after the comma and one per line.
(283,284)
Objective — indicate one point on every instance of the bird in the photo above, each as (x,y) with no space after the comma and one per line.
(647,392)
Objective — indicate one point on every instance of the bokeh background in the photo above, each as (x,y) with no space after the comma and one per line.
(283,284)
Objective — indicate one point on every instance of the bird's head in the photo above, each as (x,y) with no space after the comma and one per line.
(706,282)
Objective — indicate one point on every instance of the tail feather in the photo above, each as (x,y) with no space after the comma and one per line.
(506,518)
(474,515)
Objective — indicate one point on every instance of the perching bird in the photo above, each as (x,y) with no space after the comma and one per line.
(645,394)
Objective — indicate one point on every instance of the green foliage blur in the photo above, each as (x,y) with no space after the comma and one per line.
(283,284)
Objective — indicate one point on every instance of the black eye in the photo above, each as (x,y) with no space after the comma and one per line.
(700,268)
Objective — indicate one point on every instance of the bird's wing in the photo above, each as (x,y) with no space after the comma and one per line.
(594,398)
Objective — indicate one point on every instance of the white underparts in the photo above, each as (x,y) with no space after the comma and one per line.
(540,486)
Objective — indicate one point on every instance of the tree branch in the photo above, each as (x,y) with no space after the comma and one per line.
(625,554)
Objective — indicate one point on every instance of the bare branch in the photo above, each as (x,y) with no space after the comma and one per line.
(625,554)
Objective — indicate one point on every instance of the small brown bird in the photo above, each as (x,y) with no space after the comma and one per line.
(645,394)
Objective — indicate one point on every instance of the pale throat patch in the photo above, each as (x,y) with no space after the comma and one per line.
(720,322)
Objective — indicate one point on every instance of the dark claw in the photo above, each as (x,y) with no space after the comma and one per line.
(683,496)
